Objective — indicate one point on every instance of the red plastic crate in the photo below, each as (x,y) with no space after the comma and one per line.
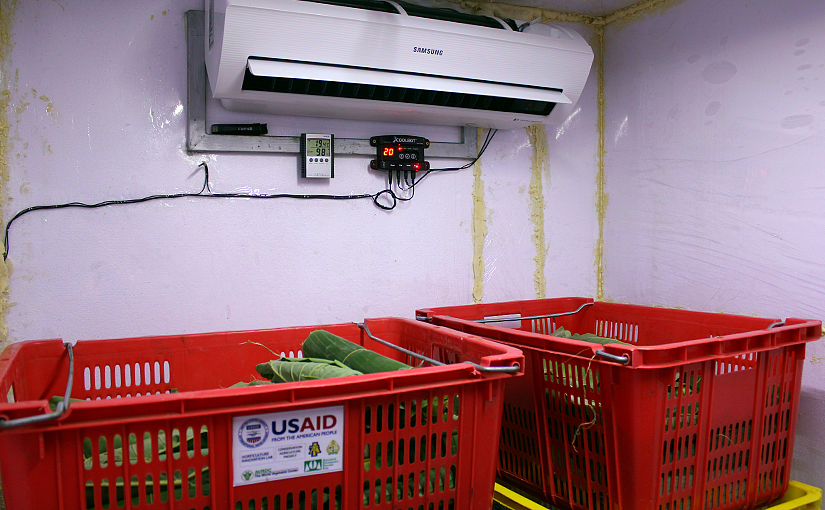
(423,438)
(701,416)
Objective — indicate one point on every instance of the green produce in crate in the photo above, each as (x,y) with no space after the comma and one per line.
(250,383)
(131,452)
(59,398)
(303,369)
(587,337)
(124,490)
(323,344)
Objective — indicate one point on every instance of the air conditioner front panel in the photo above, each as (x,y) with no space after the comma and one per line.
(381,40)
(411,53)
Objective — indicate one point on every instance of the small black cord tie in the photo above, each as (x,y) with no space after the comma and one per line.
(205,178)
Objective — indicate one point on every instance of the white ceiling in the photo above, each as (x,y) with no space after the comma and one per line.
(589,7)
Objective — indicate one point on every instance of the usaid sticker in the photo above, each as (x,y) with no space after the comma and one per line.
(278,446)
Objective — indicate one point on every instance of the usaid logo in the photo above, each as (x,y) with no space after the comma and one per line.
(253,433)
(296,425)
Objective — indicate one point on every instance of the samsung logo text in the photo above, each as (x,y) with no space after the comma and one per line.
(428,51)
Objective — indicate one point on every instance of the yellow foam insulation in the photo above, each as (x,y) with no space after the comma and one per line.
(7,10)
(49,105)
(538,168)
(524,13)
(479,230)
(637,11)
(601,194)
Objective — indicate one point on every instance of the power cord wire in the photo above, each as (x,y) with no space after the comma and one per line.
(487,139)
(388,195)
(205,192)
(408,186)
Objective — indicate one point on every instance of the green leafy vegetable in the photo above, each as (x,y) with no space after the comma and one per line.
(587,337)
(303,369)
(323,344)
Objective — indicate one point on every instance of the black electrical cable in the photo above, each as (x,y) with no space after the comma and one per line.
(487,139)
(383,195)
(200,194)
(410,186)
(413,181)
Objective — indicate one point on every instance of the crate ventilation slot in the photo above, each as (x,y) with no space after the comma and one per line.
(129,375)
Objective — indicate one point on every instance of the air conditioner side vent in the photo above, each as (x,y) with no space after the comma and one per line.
(286,85)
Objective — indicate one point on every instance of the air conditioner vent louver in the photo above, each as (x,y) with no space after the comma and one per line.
(289,85)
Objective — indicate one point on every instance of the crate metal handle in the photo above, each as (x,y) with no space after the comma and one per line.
(520,318)
(532,317)
(511,369)
(61,406)
(623,359)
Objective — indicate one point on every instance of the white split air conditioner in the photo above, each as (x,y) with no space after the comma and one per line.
(386,60)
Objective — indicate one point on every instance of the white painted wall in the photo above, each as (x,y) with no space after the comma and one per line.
(715,140)
(98,94)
